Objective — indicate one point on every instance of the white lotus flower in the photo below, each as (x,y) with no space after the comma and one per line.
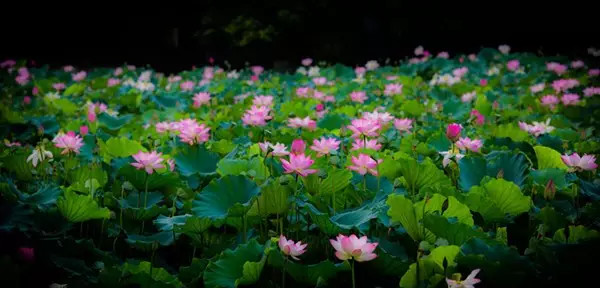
(38,155)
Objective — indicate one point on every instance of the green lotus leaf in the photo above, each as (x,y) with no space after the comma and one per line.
(232,268)
(79,208)
(496,199)
(228,196)
(196,159)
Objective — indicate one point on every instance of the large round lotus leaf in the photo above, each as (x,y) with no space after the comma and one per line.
(228,196)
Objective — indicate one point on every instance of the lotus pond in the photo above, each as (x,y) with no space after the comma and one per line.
(472,170)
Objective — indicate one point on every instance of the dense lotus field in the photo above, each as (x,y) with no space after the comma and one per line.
(436,172)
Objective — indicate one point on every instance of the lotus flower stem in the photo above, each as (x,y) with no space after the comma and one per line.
(146,192)
(121,214)
(260,225)
(365,183)
(295,204)
(332,188)
(277,223)
(353,281)
(245,224)
(283,272)
(152,260)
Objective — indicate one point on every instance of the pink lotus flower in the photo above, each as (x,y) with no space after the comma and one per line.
(22,79)
(549,101)
(8,63)
(418,51)
(318,95)
(591,91)
(131,67)
(187,86)
(468,97)
(448,155)
(468,144)
(364,127)
(289,248)
(84,130)
(201,98)
(58,86)
(570,99)
(320,107)
(97,107)
(537,87)
(403,124)
(35,90)
(587,162)
(253,78)
(364,164)
(171,164)
(483,82)
(306,122)
(360,71)
(257,116)
(372,65)
(467,283)
(279,150)
(208,73)
(537,128)
(148,161)
(162,127)
(113,82)
(380,118)
(504,49)
(479,118)
(27,254)
(319,81)
(358,96)
(173,79)
(12,144)
(27,100)
(306,61)
(257,70)
(391,77)
(298,146)
(453,131)
(460,72)
(443,55)
(68,68)
(512,65)
(368,144)
(392,89)
(577,64)
(145,76)
(557,68)
(264,146)
(91,116)
(594,72)
(263,100)
(325,146)
(302,92)
(68,142)
(472,57)
(79,76)
(298,164)
(562,85)
(118,71)
(191,132)
(352,247)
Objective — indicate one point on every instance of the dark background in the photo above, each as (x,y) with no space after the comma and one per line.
(174,36)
